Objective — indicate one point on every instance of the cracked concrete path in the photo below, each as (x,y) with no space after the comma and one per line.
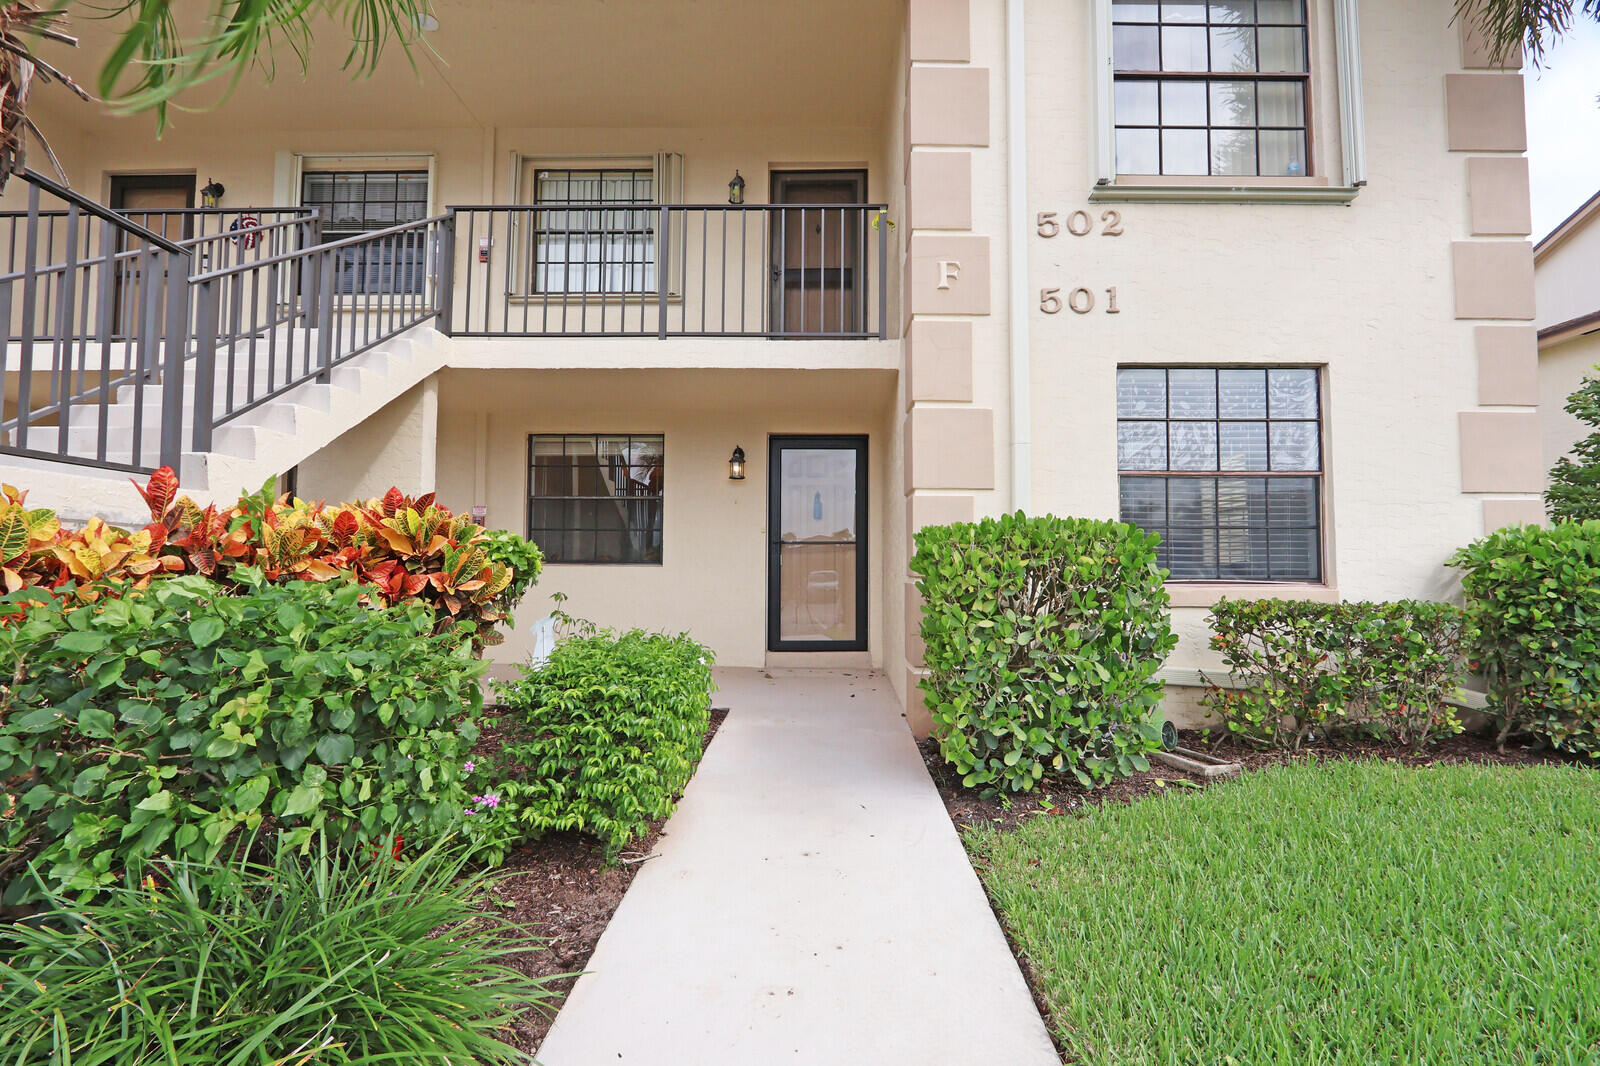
(810,903)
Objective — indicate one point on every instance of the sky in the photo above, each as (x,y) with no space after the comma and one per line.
(1564,126)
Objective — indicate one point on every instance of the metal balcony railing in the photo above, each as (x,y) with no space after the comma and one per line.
(811,271)
(128,347)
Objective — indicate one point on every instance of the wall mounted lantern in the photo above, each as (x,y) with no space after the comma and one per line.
(736,465)
(212,193)
(736,189)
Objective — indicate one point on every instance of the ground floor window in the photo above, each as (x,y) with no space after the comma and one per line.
(1226,465)
(596,498)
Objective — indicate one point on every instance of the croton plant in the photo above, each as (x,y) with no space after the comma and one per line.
(402,549)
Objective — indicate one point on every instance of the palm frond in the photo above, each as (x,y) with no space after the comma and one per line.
(1534,24)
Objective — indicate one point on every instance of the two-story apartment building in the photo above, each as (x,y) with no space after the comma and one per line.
(1566,265)
(721,303)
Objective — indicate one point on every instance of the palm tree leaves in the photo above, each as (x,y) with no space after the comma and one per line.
(1535,24)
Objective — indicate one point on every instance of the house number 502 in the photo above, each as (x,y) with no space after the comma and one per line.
(1080,300)
(1079,224)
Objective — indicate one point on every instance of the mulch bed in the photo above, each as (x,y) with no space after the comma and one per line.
(1060,794)
(561,890)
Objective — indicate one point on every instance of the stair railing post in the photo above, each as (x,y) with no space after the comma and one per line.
(326,266)
(445,274)
(208,300)
(664,272)
(174,349)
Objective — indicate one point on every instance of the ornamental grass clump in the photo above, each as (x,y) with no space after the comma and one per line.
(1043,638)
(330,959)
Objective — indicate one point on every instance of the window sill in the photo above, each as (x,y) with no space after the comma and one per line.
(1206,594)
(1163,193)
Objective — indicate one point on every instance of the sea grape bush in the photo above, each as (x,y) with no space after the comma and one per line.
(1043,638)
(1533,630)
(402,549)
(167,722)
(602,739)
(1316,671)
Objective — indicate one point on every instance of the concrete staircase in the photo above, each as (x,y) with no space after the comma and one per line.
(264,441)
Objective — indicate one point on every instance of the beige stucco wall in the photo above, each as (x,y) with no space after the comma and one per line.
(395,447)
(713,579)
(1565,280)
(1562,368)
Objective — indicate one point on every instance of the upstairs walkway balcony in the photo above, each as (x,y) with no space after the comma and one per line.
(132,338)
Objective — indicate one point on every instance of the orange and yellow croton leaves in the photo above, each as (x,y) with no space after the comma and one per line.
(402,548)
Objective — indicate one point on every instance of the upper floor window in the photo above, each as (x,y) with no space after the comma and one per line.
(1226,465)
(353,202)
(599,232)
(596,498)
(1211,87)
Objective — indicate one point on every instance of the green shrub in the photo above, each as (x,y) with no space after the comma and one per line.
(1533,630)
(611,729)
(164,722)
(329,959)
(1043,639)
(1574,492)
(520,556)
(1314,670)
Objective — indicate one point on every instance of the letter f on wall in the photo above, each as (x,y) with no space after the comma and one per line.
(949,270)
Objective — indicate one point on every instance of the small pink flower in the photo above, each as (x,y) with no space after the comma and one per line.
(468,768)
(488,799)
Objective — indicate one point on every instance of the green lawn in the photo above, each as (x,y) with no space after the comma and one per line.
(1350,912)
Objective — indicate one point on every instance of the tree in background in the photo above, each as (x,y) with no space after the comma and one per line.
(1574,492)
(152,61)
(1534,24)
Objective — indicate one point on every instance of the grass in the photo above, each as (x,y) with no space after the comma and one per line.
(1323,913)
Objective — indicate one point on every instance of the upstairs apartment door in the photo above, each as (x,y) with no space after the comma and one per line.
(817,551)
(817,252)
(156,202)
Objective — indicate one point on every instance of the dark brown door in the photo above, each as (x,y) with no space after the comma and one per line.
(156,202)
(817,252)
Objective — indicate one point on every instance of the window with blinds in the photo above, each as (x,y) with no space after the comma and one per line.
(353,202)
(1226,465)
(595,231)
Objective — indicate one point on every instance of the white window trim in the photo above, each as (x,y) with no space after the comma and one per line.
(1352,155)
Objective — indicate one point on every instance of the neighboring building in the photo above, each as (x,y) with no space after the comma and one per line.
(1253,273)
(1567,279)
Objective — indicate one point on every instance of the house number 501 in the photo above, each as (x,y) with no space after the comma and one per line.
(1080,300)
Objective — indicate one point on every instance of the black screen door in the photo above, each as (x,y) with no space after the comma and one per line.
(817,544)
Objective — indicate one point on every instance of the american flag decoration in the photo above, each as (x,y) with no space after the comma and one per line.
(244,230)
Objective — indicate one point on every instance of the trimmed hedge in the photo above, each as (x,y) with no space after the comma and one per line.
(1533,630)
(1043,637)
(1315,670)
(164,723)
(611,729)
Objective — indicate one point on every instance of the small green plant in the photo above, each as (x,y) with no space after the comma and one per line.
(611,729)
(1574,492)
(168,722)
(1043,638)
(522,559)
(1312,671)
(1533,601)
(329,958)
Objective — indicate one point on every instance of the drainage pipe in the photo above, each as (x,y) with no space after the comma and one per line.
(1017,257)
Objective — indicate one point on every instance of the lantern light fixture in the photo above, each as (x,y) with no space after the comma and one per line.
(736,189)
(211,195)
(736,465)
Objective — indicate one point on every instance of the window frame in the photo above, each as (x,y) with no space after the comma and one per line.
(1206,78)
(529,498)
(667,185)
(305,163)
(1323,583)
(1335,154)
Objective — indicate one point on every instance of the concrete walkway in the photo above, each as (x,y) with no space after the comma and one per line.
(809,904)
